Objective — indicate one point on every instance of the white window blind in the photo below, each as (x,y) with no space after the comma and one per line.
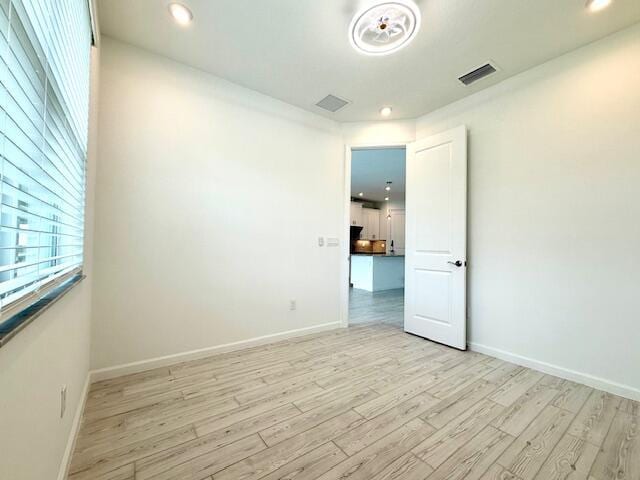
(44,107)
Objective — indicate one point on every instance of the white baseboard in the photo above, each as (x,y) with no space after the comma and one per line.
(63,471)
(584,378)
(143,365)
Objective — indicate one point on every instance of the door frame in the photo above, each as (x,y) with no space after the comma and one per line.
(346,217)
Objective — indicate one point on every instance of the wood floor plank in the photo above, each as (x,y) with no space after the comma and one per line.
(572,396)
(571,459)
(209,443)
(530,450)
(497,472)
(383,402)
(619,457)
(474,458)
(629,406)
(305,421)
(515,419)
(455,383)
(376,457)
(202,466)
(452,407)
(273,458)
(385,423)
(124,472)
(594,419)
(218,421)
(310,465)
(96,463)
(407,467)
(436,449)
(514,388)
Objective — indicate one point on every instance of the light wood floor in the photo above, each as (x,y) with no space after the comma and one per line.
(386,306)
(365,403)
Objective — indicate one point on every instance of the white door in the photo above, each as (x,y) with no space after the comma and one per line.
(436,232)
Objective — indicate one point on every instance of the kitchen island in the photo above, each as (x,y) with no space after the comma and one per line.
(377,272)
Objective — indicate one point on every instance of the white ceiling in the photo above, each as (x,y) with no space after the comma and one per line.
(298,50)
(371,169)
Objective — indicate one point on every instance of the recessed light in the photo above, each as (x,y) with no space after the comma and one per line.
(384,27)
(597,5)
(386,199)
(386,111)
(387,188)
(181,14)
(361,194)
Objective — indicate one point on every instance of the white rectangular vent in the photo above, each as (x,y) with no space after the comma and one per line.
(332,103)
(478,74)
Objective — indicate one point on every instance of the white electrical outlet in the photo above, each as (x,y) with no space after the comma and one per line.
(320,241)
(292,305)
(63,400)
(333,242)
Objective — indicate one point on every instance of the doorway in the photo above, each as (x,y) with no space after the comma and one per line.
(377,235)
(434,286)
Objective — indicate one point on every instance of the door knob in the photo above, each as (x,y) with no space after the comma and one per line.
(457,263)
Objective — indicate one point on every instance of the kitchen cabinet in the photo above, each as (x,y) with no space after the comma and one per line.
(356,214)
(370,224)
(368,219)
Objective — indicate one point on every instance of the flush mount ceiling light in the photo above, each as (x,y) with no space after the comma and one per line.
(361,194)
(597,5)
(181,14)
(386,111)
(384,27)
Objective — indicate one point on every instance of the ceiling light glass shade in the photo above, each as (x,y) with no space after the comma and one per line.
(386,111)
(385,28)
(180,13)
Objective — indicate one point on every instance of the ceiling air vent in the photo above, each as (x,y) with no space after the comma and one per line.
(477,74)
(332,103)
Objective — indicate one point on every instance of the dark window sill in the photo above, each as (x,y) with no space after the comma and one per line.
(17,322)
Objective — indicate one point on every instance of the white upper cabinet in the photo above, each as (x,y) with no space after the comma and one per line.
(368,219)
(356,214)
(371,221)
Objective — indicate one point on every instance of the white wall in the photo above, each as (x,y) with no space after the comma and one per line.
(386,132)
(50,352)
(210,199)
(554,212)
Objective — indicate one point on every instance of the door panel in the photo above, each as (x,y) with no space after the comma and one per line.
(433,200)
(436,220)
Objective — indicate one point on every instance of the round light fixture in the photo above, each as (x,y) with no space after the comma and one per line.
(384,27)
(386,199)
(181,14)
(597,5)
(361,194)
(386,111)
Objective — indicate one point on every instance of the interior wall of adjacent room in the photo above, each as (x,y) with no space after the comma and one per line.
(210,202)
(554,169)
(50,352)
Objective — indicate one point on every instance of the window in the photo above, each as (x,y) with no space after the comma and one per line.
(44,109)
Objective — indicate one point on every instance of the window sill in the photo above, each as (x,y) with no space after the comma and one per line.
(17,322)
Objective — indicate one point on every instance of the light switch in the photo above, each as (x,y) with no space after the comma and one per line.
(333,242)
(321,241)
